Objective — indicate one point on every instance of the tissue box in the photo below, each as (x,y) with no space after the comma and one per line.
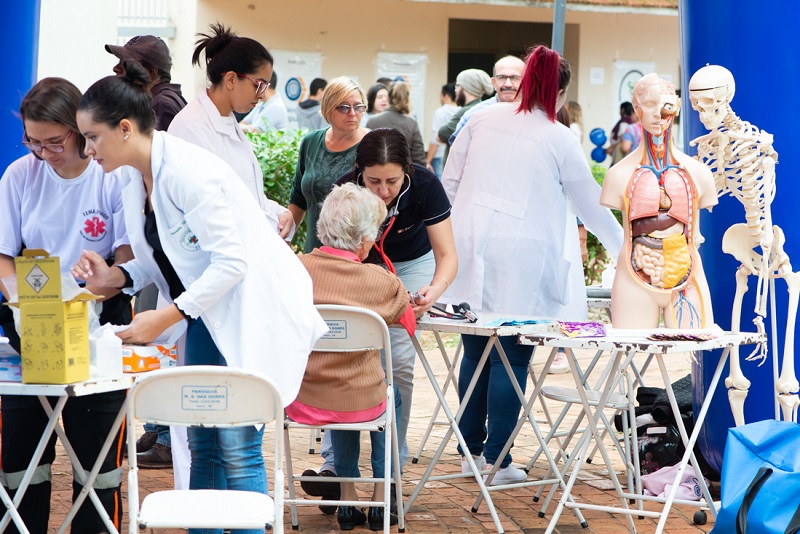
(141,358)
(55,332)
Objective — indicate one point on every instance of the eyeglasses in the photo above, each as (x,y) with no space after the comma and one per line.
(358,109)
(502,78)
(261,85)
(54,148)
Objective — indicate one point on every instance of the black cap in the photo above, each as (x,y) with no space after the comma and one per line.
(144,49)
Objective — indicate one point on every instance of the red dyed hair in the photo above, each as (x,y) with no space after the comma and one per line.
(546,73)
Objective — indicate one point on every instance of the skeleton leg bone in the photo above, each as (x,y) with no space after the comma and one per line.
(787,385)
(736,382)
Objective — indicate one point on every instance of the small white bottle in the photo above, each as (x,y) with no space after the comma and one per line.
(109,354)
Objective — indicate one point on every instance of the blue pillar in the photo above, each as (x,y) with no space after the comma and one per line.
(20,40)
(758,43)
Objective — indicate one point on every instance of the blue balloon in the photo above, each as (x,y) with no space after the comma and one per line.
(599,154)
(598,136)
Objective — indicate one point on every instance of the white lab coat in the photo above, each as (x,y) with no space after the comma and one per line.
(511,178)
(249,288)
(201,124)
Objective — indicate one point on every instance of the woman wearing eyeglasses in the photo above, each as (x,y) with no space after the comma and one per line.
(57,199)
(239,69)
(327,154)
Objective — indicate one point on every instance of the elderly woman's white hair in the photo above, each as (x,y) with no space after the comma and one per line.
(349,214)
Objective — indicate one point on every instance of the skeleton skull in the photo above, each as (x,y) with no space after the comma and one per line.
(711,90)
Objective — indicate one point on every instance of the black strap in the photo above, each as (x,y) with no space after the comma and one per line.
(794,525)
(749,496)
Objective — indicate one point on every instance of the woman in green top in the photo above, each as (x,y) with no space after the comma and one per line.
(327,154)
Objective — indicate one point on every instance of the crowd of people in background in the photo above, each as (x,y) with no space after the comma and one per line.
(488,207)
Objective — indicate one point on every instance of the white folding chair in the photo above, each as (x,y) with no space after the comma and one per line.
(353,329)
(209,396)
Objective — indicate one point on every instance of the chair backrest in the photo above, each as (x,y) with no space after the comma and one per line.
(352,329)
(204,395)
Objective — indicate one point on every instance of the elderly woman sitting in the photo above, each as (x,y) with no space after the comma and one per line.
(350,387)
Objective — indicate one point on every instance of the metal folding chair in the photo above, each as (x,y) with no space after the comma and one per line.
(355,329)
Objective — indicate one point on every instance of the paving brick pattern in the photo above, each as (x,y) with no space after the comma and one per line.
(444,506)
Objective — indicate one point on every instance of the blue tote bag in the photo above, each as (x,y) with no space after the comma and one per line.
(761,480)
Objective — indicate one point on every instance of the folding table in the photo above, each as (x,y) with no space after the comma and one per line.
(63,392)
(492,335)
(622,347)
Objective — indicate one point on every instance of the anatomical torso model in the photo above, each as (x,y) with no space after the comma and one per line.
(659,190)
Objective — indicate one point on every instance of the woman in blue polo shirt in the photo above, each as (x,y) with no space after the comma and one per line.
(416,240)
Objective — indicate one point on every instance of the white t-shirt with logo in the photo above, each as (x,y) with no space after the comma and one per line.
(64,217)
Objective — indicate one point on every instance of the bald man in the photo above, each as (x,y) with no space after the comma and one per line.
(506,76)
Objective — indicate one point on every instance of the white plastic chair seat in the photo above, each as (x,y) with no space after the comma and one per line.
(564,394)
(206,508)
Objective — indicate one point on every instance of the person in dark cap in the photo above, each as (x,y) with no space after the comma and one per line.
(153,54)
(155,445)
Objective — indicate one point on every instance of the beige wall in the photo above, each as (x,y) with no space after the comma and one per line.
(350,33)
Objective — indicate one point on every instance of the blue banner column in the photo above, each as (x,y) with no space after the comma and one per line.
(758,42)
(20,40)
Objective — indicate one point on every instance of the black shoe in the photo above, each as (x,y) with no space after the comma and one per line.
(349,517)
(146,442)
(329,491)
(157,457)
(376,518)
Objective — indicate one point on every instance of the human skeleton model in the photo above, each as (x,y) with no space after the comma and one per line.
(659,190)
(743,162)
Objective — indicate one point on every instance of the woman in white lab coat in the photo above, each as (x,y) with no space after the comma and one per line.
(200,237)
(239,69)
(513,176)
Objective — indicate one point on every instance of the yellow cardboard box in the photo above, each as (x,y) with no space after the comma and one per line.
(140,358)
(55,332)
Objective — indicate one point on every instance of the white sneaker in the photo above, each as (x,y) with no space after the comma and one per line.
(480,462)
(560,365)
(507,475)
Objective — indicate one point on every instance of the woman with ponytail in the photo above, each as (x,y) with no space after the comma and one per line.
(516,179)
(198,235)
(239,70)
(57,199)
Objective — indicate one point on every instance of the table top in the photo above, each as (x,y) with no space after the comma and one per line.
(480,328)
(622,340)
(78,389)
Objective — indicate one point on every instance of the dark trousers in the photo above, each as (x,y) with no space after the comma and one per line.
(87,421)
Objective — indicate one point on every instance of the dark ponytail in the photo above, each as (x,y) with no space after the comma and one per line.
(227,52)
(114,98)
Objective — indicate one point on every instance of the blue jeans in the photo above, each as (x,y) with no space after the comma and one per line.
(222,458)
(493,397)
(436,163)
(347,448)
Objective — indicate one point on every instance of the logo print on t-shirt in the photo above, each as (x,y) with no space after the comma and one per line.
(94,228)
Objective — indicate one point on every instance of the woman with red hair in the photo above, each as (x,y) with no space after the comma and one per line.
(516,179)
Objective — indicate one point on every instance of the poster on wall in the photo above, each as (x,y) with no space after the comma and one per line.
(409,68)
(626,74)
(295,71)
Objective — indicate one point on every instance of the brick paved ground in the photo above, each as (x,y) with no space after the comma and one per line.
(444,506)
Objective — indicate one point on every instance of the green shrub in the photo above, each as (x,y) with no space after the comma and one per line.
(276,151)
(598,256)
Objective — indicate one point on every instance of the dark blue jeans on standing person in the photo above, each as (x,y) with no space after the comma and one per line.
(222,458)
(493,397)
